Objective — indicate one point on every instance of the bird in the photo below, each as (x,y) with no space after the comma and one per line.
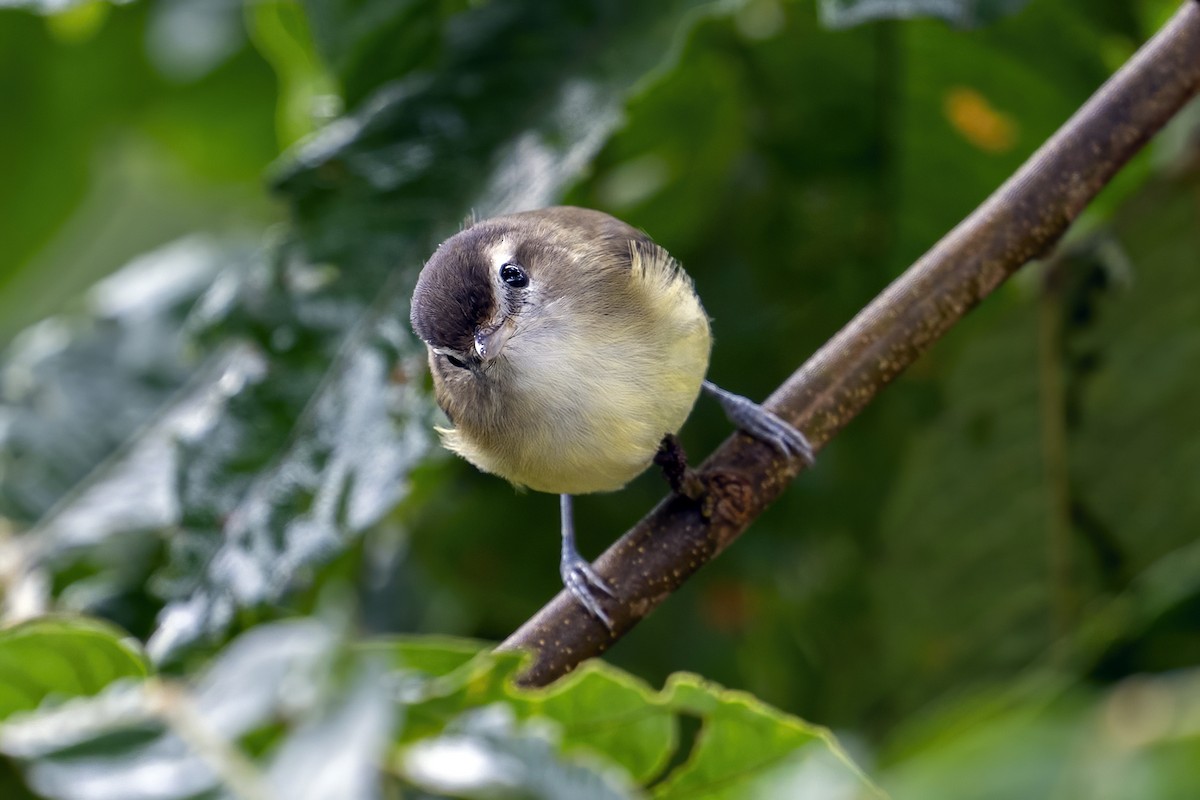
(564,345)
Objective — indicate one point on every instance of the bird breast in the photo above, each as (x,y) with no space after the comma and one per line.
(590,388)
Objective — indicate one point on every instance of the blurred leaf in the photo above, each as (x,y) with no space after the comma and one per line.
(307,95)
(1130,338)
(1140,740)
(270,491)
(356,730)
(370,42)
(108,157)
(64,7)
(1001,614)
(442,682)
(61,657)
(321,717)
(382,186)
(487,753)
(74,388)
(159,740)
(1012,603)
(72,21)
(964,13)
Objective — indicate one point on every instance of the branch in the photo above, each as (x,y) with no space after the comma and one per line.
(1021,221)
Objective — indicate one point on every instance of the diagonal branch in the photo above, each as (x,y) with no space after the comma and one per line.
(1021,221)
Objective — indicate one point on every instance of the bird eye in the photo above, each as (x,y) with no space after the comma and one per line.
(513,275)
(456,362)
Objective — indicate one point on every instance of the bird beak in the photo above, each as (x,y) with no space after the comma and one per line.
(490,341)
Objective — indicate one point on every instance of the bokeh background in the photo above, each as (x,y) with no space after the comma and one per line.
(213,414)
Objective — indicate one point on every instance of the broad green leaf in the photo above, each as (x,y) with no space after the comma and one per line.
(293,470)
(746,749)
(998,618)
(55,658)
(603,709)
(602,715)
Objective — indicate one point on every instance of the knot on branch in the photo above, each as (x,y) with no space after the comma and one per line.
(731,497)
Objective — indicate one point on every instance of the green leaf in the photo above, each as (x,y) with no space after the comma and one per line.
(746,749)
(61,657)
(432,656)
(603,709)
(323,717)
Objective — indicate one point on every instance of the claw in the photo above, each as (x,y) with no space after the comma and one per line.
(583,583)
(763,425)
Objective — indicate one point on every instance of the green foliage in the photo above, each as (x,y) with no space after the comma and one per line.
(988,585)
(310,717)
(62,657)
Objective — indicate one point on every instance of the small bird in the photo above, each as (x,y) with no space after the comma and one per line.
(564,346)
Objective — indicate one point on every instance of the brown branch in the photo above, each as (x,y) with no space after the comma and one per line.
(1019,222)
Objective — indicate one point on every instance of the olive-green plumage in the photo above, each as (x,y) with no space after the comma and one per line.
(564,345)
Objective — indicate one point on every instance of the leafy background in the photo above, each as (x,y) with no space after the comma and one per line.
(215,423)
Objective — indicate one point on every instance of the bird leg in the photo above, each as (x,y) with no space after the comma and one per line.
(762,424)
(577,574)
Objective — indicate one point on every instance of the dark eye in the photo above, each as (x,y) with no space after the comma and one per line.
(456,362)
(514,276)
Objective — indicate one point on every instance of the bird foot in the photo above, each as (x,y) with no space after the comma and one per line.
(762,424)
(584,584)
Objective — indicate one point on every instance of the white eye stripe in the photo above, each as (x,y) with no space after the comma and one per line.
(500,254)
